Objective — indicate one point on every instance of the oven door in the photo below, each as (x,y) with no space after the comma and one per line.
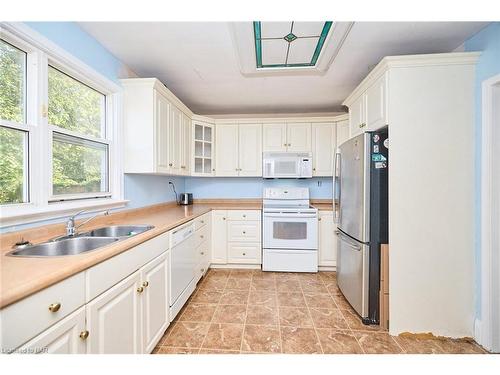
(290,230)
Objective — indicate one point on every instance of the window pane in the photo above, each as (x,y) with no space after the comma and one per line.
(78,166)
(12,82)
(12,166)
(75,106)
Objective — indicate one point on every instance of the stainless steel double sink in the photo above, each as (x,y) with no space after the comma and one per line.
(82,242)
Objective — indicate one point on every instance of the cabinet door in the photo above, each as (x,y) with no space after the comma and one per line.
(155,319)
(113,319)
(342,132)
(61,338)
(274,137)
(185,161)
(219,237)
(299,137)
(376,104)
(327,240)
(357,113)
(162,118)
(250,150)
(323,148)
(226,150)
(175,140)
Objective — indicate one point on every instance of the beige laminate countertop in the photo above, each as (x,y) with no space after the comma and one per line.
(21,277)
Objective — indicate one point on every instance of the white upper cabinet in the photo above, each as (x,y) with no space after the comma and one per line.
(299,137)
(342,132)
(376,104)
(226,155)
(250,150)
(156,129)
(368,111)
(323,148)
(203,149)
(238,150)
(274,137)
(357,116)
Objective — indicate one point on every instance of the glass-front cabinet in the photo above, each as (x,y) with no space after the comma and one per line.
(203,142)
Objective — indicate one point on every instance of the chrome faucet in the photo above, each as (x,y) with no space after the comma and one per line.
(70,224)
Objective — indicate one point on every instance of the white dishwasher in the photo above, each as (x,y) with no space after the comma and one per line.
(182,263)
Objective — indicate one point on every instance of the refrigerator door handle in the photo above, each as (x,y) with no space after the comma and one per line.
(336,186)
(348,241)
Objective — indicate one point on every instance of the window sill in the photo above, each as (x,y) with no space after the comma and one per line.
(29,213)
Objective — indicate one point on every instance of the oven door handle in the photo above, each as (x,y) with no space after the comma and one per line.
(287,215)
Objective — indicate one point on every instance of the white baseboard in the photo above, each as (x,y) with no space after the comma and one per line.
(237,266)
(327,268)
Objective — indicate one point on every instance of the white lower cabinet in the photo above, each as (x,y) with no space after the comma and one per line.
(155,319)
(66,337)
(114,319)
(327,240)
(236,237)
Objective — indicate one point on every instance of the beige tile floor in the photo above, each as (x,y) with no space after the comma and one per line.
(250,311)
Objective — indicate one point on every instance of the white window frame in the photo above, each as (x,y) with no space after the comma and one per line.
(41,53)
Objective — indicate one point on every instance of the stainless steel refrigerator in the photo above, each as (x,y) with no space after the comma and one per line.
(361,210)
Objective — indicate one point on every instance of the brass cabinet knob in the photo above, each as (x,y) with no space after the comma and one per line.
(84,335)
(244,254)
(140,289)
(284,144)
(244,215)
(145,284)
(319,219)
(202,270)
(244,232)
(289,144)
(201,235)
(223,218)
(202,253)
(202,221)
(170,164)
(54,307)
(213,169)
(314,169)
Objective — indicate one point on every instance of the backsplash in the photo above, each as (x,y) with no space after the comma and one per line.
(251,187)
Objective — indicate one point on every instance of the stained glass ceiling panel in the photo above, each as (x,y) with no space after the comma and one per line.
(289,44)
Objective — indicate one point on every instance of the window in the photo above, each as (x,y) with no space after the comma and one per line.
(77,114)
(58,132)
(13,130)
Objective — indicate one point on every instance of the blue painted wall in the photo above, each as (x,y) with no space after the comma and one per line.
(143,190)
(248,187)
(488,42)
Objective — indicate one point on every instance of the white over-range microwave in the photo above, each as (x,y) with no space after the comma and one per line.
(287,165)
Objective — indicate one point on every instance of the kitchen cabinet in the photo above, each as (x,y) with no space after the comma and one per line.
(368,111)
(155,318)
(342,131)
(226,150)
(327,239)
(357,116)
(114,319)
(238,150)
(289,137)
(298,137)
(274,137)
(219,237)
(376,104)
(323,148)
(203,147)
(203,228)
(157,128)
(236,237)
(66,337)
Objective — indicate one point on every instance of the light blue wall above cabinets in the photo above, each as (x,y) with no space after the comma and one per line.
(73,39)
(251,187)
(487,41)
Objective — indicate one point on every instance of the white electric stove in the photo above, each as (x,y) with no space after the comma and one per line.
(290,231)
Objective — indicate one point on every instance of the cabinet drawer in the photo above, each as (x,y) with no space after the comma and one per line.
(27,318)
(203,252)
(108,273)
(244,214)
(243,231)
(201,221)
(244,253)
(201,235)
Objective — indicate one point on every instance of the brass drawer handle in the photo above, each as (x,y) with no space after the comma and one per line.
(54,307)
(145,284)
(84,335)
(140,289)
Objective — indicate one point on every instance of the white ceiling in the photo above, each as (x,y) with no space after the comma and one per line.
(198,62)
